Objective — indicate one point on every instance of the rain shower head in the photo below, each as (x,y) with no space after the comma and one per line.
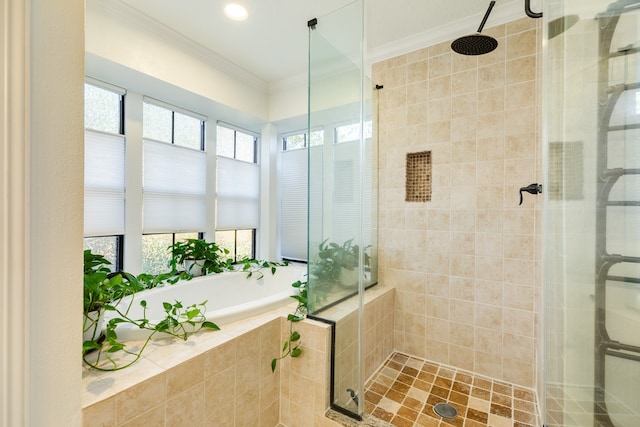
(476,44)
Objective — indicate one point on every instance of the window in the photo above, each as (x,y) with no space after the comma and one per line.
(353,180)
(104,109)
(237,191)
(351,132)
(163,123)
(174,180)
(235,144)
(109,247)
(302,140)
(104,171)
(240,243)
(156,256)
(293,190)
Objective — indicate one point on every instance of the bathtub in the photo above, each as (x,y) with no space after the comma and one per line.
(230,296)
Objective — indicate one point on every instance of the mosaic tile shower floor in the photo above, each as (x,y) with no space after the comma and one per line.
(404,391)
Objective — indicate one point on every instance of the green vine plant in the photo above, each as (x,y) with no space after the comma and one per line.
(150,281)
(291,346)
(179,322)
(104,290)
(256,267)
(213,259)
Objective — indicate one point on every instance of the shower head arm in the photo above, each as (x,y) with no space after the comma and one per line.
(486,16)
(529,12)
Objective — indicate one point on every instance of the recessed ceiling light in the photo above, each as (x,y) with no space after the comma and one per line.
(236,12)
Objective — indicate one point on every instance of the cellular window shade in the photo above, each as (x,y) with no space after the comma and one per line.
(237,194)
(104,184)
(293,204)
(314,211)
(174,188)
(346,209)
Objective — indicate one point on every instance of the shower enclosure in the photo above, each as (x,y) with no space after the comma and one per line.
(342,194)
(592,214)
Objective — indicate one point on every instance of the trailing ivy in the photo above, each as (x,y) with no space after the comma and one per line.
(254,266)
(178,322)
(291,346)
(104,290)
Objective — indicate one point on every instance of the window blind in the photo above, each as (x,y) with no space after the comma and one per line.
(174,188)
(316,206)
(104,184)
(293,204)
(346,209)
(237,194)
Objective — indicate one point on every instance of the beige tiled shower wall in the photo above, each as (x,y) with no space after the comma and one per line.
(378,329)
(465,264)
(377,344)
(304,392)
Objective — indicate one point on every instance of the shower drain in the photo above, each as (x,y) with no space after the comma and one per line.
(445,410)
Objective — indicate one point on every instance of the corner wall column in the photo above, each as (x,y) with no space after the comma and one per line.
(41,211)
(13,213)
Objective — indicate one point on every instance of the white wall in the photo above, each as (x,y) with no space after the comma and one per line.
(41,212)
(125,48)
(55,213)
(122,38)
(286,102)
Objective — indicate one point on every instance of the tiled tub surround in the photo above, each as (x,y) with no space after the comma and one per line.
(213,379)
(466,264)
(224,378)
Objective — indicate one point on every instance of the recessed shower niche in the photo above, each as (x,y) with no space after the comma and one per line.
(418,177)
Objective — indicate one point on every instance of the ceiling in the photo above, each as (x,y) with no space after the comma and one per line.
(272,43)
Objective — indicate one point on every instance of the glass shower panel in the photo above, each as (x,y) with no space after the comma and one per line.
(342,193)
(335,168)
(592,214)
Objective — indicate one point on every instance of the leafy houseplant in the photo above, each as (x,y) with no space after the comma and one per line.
(291,346)
(192,253)
(103,290)
(102,287)
(254,266)
(199,257)
(337,263)
(179,322)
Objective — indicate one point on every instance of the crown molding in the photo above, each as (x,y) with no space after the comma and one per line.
(501,15)
(138,19)
(123,11)
(288,83)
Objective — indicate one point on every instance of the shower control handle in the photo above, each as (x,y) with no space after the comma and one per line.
(532,189)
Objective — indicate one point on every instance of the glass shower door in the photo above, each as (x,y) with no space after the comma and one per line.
(592,214)
(342,196)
